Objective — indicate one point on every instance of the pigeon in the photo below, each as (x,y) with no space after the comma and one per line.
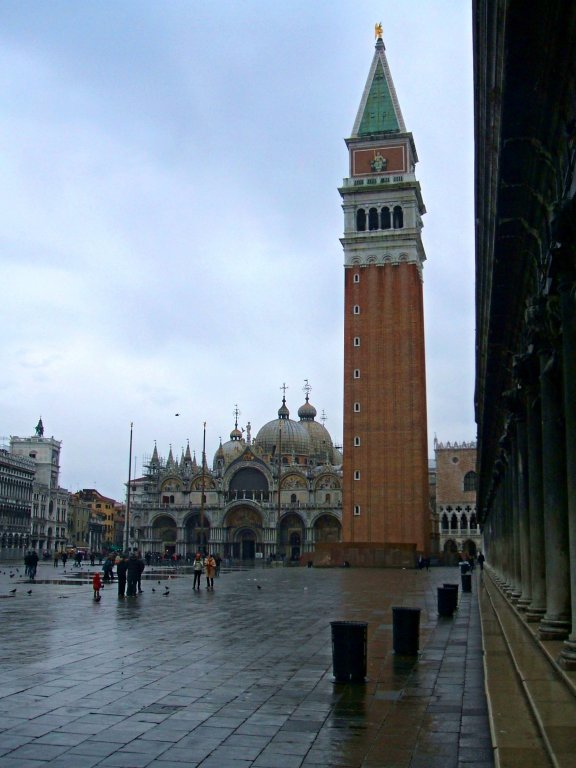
(258,586)
(158,582)
(166,594)
(153,590)
(12,591)
(29,592)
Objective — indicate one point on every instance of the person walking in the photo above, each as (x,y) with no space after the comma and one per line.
(64,559)
(121,571)
(197,568)
(210,566)
(141,566)
(481,560)
(33,564)
(56,558)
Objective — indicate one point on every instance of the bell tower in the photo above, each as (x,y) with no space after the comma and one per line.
(385,493)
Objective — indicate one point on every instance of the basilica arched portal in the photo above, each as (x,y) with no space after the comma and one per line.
(327,528)
(164,535)
(292,537)
(243,533)
(197,533)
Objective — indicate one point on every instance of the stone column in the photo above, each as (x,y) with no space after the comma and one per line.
(523,516)
(537,607)
(527,369)
(555,624)
(565,262)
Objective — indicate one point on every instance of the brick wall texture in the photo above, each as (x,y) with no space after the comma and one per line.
(391,423)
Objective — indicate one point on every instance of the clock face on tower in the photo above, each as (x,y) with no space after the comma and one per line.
(389,159)
(379,163)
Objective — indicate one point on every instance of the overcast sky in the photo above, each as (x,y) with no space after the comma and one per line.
(170,216)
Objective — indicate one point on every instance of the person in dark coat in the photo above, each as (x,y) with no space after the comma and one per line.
(141,567)
(133,572)
(121,571)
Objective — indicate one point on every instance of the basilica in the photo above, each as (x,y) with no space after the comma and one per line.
(270,497)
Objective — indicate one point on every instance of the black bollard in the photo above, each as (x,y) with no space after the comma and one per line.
(406,631)
(349,650)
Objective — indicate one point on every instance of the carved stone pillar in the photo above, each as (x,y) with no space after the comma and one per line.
(555,624)
(564,271)
(537,607)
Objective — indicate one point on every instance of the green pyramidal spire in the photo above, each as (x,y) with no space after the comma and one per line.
(379,110)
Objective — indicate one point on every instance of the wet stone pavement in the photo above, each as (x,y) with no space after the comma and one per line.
(237,677)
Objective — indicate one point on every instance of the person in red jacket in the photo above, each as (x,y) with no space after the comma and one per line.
(96,585)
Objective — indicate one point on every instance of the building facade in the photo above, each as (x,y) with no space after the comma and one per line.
(385,484)
(269,497)
(525,130)
(49,524)
(105,509)
(86,528)
(16,489)
(456,479)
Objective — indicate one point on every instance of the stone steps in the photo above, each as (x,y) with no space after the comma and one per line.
(533,709)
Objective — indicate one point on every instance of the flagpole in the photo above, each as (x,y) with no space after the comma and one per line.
(127,525)
(203,487)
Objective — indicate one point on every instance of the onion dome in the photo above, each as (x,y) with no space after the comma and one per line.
(307,412)
(283,434)
(230,450)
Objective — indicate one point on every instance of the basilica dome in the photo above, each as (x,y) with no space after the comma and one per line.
(291,437)
(322,448)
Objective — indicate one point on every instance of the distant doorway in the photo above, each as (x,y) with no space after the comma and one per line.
(247,545)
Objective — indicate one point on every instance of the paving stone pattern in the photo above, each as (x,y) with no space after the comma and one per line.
(237,677)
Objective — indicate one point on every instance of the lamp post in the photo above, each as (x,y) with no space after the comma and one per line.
(127,522)
(203,487)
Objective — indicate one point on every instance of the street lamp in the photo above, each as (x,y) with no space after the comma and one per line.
(127,522)
(203,487)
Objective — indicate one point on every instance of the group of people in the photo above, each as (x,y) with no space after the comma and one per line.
(207,565)
(77,558)
(130,567)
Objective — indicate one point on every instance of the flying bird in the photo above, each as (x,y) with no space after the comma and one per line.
(12,591)
(166,594)
(176,414)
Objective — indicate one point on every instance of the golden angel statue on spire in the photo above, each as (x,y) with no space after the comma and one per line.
(378,30)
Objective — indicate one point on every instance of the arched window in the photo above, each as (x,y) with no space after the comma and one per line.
(454,523)
(293,498)
(463,523)
(470,479)
(373,219)
(473,523)
(398,217)
(361,220)
(444,522)
(385,218)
